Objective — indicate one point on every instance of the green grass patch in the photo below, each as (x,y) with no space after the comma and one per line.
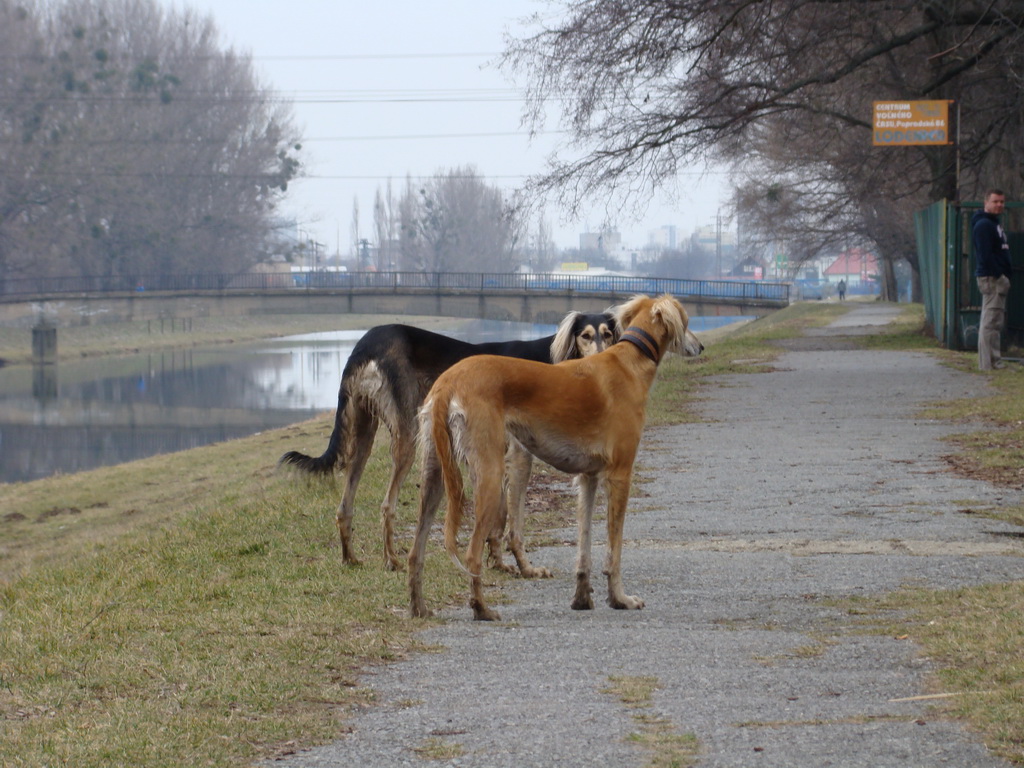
(908,331)
(975,639)
(206,618)
(992,446)
(656,735)
(439,749)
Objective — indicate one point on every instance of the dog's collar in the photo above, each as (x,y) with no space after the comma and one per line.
(643,341)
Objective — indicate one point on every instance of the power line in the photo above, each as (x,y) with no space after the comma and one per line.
(214,140)
(452,96)
(433,136)
(152,175)
(372,56)
(121,57)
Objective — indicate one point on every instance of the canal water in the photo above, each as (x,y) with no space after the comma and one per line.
(76,416)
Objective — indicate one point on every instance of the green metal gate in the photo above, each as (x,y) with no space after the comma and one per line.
(946,260)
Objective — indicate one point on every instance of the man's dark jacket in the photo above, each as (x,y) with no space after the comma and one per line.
(991,250)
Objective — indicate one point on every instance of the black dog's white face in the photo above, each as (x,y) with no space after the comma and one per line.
(594,333)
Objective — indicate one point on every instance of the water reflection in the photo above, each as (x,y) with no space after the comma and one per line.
(94,413)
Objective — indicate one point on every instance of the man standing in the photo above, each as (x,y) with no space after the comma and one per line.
(992,255)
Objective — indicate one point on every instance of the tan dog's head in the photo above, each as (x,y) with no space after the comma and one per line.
(664,318)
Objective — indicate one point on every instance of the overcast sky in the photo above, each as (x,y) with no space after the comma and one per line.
(392,88)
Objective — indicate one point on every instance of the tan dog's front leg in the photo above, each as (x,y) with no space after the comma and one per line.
(583,599)
(617,491)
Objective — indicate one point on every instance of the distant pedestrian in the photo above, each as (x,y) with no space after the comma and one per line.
(993,270)
(842,290)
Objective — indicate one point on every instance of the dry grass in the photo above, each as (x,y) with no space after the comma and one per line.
(992,446)
(192,608)
(975,640)
(656,735)
(204,619)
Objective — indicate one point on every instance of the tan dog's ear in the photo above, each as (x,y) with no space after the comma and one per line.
(626,312)
(672,315)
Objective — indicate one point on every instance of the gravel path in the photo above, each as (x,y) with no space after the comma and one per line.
(812,481)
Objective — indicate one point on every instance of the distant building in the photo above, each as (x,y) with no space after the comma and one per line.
(720,243)
(665,238)
(854,265)
(707,237)
(750,268)
(603,242)
(609,245)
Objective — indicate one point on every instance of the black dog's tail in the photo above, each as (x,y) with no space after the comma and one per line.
(325,463)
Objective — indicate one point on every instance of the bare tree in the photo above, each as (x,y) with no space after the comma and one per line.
(155,150)
(354,236)
(540,252)
(410,247)
(385,224)
(456,222)
(691,261)
(33,147)
(784,90)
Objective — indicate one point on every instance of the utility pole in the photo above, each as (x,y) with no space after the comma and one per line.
(718,243)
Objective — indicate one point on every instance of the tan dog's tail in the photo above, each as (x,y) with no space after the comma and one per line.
(448,461)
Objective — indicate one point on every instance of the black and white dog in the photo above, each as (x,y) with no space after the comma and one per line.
(386,378)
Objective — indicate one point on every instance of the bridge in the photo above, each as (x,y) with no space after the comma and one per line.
(535,297)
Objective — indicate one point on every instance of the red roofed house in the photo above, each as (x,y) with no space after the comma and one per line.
(854,265)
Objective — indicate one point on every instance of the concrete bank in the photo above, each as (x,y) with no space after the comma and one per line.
(813,481)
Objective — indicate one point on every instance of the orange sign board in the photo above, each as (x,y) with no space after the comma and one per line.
(911,123)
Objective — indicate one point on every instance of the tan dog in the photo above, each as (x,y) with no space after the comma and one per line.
(584,417)
(388,374)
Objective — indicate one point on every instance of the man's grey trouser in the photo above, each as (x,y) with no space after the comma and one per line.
(993,317)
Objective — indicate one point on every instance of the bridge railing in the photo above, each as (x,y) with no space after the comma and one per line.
(749,290)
